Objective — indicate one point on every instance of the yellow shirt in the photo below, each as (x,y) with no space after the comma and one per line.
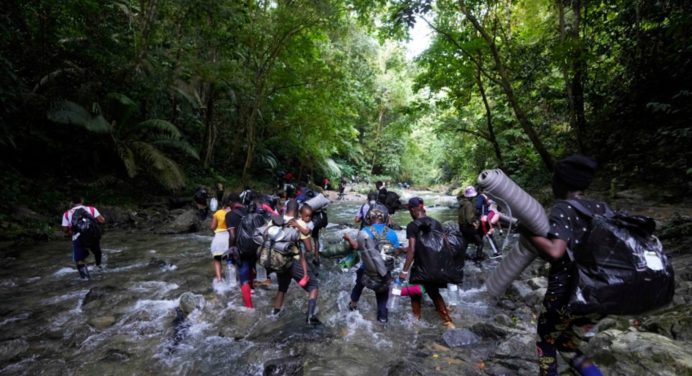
(220,216)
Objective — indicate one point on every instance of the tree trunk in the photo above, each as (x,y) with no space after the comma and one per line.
(526,124)
(489,118)
(378,130)
(579,68)
(209,127)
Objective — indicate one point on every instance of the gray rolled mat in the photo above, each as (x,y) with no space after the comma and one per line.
(531,215)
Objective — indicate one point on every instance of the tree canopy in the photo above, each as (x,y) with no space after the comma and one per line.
(174,91)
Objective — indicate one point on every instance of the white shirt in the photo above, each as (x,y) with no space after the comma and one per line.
(67,216)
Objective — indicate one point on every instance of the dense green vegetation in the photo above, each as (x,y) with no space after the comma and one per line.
(159,96)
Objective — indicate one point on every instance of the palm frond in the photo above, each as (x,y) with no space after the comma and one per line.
(161,125)
(267,158)
(330,166)
(128,158)
(159,166)
(181,145)
(68,112)
(148,154)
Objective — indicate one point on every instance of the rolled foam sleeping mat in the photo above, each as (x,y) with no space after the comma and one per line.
(318,202)
(529,212)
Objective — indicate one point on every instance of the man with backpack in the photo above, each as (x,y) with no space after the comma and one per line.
(469,222)
(426,270)
(294,264)
(377,243)
(83,223)
(568,228)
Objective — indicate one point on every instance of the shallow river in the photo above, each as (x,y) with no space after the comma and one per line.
(122,321)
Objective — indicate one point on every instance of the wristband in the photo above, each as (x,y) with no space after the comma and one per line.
(403,272)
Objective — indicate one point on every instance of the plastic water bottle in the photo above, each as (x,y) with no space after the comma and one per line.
(452,293)
(231,273)
(394,294)
(261,273)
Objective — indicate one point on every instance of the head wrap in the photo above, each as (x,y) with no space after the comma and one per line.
(575,172)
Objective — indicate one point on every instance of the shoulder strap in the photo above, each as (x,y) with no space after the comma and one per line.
(584,210)
(580,208)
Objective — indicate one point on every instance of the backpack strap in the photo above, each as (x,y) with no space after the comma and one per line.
(585,211)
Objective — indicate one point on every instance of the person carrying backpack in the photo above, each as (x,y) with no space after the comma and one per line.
(296,266)
(242,222)
(83,224)
(420,273)
(377,244)
(568,228)
(469,222)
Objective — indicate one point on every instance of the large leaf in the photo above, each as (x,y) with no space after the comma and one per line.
(163,126)
(67,112)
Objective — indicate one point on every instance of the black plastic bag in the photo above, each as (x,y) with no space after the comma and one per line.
(440,253)
(620,267)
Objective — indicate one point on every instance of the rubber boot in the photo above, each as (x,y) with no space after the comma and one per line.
(416,308)
(441,308)
(247,295)
(83,271)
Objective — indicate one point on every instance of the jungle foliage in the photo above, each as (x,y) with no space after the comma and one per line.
(174,92)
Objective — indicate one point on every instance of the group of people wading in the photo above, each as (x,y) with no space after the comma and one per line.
(257,233)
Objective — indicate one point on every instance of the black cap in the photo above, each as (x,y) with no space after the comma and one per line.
(414,202)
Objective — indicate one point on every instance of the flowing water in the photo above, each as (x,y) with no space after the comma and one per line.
(124,321)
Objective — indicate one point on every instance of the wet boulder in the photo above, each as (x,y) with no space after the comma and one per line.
(675,323)
(98,293)
(189,302)
(283,366)
(460,338)
(102,322)
(620,352)
(12,348)
(185,221)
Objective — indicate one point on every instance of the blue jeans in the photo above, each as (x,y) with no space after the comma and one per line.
(381,297)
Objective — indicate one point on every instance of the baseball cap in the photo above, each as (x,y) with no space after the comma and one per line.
(414,202)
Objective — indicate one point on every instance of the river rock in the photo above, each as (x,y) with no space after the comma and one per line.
(102,322)
(189,302)
(675,323)
(519,346)
(621,353)
(186,221)
(283,367)
(460,338)
(12,348)
(98,293)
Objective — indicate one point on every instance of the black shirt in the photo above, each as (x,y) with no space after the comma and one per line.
(413,229)
(234,217)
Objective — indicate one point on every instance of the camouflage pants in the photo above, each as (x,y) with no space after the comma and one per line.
(555,331)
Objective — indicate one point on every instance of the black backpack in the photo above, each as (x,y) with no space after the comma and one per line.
(620,265)
(392,202)
(84,224)
(245,232)
(440,253)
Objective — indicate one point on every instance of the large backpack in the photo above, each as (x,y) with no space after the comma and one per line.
(84,224)
(378,264)
(245,232)
(277,246)
(620,265)
(440,253)
(392,202)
